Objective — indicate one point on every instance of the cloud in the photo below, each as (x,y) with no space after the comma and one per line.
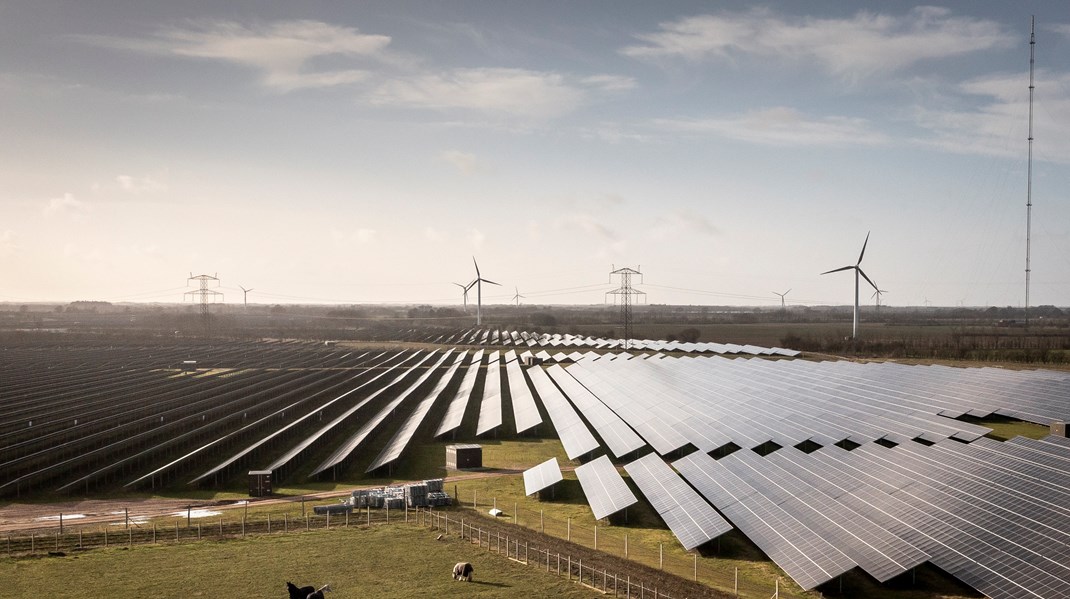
(984,128)
(282,51)
(65,205)
(356,237)
(863,44)
(683,223)
(782,126)
(464,162)
(138,185)
(505,92)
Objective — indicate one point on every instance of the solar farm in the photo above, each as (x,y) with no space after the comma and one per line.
(827,466)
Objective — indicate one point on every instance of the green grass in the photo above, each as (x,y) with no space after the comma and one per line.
(383,562)
(1008,428)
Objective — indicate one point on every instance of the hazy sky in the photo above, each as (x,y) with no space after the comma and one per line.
(365,151)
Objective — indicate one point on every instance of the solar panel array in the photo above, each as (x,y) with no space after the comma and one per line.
(397,444)
(615,433)
(455,412)
(605,489)
(575,437)
(543,340)
(490,409)
(686,514)
(996,515)
(525,412)
(542,476)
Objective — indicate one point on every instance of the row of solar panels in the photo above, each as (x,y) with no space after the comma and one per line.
(497,337)
(992,514)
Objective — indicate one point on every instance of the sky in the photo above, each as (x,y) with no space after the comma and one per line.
(365,152)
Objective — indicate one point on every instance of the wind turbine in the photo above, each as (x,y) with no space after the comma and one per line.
(782,305)
(479,292)
(517,297)
(464,289)
(877,294)
(245,296)
(858,271)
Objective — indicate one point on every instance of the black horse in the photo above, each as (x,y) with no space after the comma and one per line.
(308,592)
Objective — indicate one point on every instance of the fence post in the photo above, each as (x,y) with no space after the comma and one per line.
(569,568)
(198,531)
(661,556)
(130,537)
(347,519)
(625,545)
(105,537)
(559,563)
(369,514)
(514,512)
(176,529)
(474,504)
(568,532)
(596,537)
(735,583)
(243,527)
(153,533)
(60,523)
(328,519)
(79,540)
(629,592)
(696,567)
(285,523)
(126,517)
(269,523)
(542,522)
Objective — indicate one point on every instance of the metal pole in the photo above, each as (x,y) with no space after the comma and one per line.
(1029,167)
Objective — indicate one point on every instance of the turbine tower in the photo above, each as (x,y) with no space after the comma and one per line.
(858,271)
(479,292)
(245,297)
(878,294)
(464,290)
(518,297)
(782,304)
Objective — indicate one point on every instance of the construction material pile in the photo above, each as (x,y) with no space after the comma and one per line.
(421,494)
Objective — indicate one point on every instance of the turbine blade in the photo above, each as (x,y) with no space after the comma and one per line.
(491,282)
(839,269)
(863,249)
(787,292)
(861,272)
(477,266)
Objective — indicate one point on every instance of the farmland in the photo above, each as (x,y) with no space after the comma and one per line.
(130,416)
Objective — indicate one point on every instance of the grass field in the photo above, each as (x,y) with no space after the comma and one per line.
(393,561)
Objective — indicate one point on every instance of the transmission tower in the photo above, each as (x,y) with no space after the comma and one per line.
(204,294)
(625,295)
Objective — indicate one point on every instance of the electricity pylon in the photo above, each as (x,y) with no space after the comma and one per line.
(624,294)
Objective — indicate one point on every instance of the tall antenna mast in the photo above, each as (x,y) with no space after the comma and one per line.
(1029,167)
(626,292)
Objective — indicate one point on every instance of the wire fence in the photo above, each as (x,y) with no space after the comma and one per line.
(722,575)
(613,541)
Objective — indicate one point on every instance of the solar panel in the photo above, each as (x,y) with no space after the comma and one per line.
(689,517)
(606,491)
(455,412)
(542,476)
(804,555)
(401,438)
(490,409)
(575,437)
(615,433)
(525,412)
(350,444)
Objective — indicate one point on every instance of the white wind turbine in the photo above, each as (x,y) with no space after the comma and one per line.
(518,297)
(858,271)
(479,292)
(782,304)
(245,296)
(464,290)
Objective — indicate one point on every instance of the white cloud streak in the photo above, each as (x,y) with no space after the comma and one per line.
(67,204)
(782,126)
(860,45)
(280,51)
